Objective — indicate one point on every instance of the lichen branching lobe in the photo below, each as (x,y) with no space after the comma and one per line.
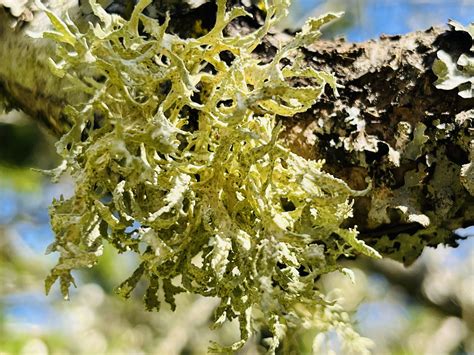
(183,166)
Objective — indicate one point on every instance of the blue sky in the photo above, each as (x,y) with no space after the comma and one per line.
(374,17)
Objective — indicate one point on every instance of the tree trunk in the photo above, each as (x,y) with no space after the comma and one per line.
(390,126)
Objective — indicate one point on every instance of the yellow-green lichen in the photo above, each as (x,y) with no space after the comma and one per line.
(176,157)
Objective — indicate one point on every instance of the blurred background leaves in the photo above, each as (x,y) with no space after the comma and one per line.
(425,309)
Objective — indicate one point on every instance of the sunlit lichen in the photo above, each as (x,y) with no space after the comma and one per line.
(176,157)
(456,72)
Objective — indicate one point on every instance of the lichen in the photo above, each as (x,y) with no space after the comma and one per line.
(458,71)
(436,195)
(176,156)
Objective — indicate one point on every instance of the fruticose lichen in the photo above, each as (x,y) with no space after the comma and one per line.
(176,157)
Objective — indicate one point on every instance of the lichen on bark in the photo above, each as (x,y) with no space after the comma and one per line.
(176,156)
(392,124)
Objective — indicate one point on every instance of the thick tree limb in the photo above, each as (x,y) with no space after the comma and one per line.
(390,125)
(388,85)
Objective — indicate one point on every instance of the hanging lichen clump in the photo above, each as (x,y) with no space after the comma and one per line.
(176,157)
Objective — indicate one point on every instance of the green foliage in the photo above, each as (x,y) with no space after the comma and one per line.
(176,157)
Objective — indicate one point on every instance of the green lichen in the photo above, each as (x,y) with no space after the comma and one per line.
(176,157)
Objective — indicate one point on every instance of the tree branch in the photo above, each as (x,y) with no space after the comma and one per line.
(390,124)
(411,282)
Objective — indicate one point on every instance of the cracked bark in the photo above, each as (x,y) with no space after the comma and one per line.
(390,125)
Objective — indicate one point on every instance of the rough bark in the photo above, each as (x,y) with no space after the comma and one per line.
(390,125)
(417,197)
